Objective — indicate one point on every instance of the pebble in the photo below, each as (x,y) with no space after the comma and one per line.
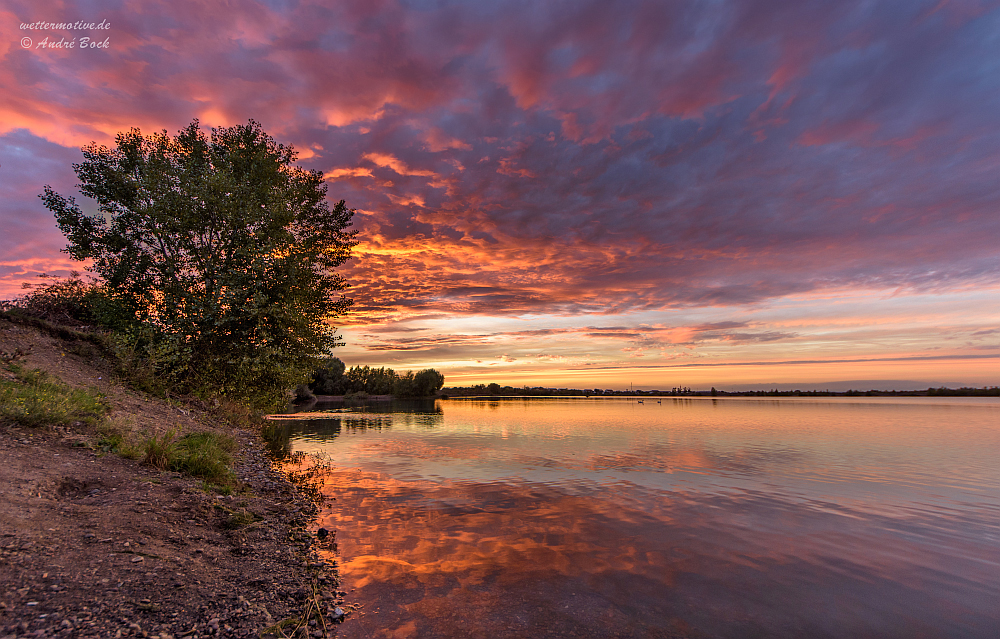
(136,560)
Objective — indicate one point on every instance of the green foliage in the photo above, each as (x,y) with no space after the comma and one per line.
(34,398)
(216,256)
(204,455)
(404,386)
(374,381)
(428,382)
(160,452)
(329,378)
(421,384)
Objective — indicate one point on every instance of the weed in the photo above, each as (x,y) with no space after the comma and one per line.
(160,452)
(315,614)
(34,398)
(235,413)
(233,519)
(207,456)
(209,487)
(204,455)
(116,436)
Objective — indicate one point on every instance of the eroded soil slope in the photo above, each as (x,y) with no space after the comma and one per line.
(92,544)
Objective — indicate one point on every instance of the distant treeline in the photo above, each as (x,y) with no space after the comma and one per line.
(682,391)
(333,378)
(540,391)
(992,391)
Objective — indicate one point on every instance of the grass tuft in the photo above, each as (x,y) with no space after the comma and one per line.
(34,398)
(207,456)
(160,452)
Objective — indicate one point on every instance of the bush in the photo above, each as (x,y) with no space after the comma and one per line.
(235,298)
(427,382)
(329,379)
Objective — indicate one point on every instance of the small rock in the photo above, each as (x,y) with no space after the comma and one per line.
(136,560)
(338,613)
(322,533)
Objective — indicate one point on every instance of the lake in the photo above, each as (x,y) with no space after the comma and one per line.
(689,517)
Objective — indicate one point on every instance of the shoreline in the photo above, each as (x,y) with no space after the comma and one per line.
(97,545)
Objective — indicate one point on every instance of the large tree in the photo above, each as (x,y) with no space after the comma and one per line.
(218,246)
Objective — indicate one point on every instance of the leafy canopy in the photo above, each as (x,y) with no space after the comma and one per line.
(218,253)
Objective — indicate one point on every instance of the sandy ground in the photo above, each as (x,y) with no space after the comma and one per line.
(94,545)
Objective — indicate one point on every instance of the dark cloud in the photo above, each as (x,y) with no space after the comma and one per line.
(567,157)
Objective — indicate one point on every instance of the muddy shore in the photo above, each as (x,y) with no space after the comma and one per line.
(96,545)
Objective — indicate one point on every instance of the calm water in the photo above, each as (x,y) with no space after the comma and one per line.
(838,517)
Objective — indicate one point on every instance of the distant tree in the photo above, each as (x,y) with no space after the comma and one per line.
(329,378)
(218,253)
(427,382)
(404,386)
(374,381)
(493,389)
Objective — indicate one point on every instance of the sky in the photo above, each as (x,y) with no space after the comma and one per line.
(581,194)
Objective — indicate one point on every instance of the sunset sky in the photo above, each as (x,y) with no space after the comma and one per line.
(583,193)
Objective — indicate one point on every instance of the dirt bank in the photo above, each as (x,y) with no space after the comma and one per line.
(95,545)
